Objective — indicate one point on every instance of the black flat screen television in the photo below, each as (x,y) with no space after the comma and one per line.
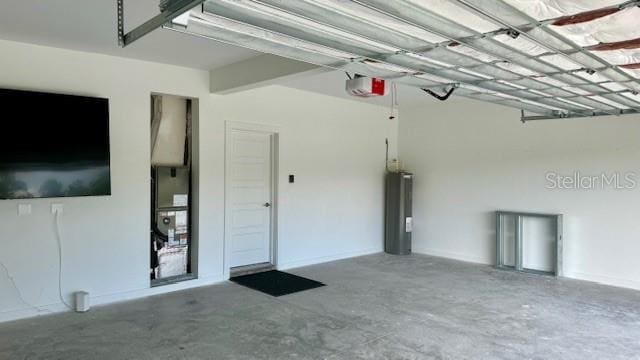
(53,145)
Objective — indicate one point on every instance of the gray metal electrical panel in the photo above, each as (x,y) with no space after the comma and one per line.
(172,187)
(398,215)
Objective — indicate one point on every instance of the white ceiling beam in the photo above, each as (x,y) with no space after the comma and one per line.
(259,71)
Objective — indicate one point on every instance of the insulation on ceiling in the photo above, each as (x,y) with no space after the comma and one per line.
(619,26)
(620,57)
(550,9)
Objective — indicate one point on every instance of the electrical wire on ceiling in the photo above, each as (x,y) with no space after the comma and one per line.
(386,157)
(394,101)
(441,97)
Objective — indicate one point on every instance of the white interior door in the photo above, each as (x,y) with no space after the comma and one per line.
(249,195)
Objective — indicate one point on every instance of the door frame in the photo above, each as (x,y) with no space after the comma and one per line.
(194,216)
(274,132)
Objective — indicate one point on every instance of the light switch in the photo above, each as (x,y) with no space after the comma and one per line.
(57,208)
(24,209)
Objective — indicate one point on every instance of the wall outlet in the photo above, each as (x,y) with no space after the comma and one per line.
(24,209)
(57,208)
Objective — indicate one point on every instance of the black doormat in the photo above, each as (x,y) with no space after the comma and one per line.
(276,283)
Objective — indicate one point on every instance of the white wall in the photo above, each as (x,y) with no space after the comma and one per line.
(472,158)
(334,147)
(336,150)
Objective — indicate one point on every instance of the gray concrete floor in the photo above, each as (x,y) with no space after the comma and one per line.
(374,307)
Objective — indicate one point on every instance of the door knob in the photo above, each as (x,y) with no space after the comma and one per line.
(267,204)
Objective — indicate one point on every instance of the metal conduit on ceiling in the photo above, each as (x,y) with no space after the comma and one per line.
(576,58)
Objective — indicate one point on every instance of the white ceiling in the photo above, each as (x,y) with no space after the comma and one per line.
(90,25)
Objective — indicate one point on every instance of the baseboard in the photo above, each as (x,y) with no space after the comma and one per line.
(322,259)
(600,279)
(106,299)
(604,280)
(29,312)
(453,255)
(205,280)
